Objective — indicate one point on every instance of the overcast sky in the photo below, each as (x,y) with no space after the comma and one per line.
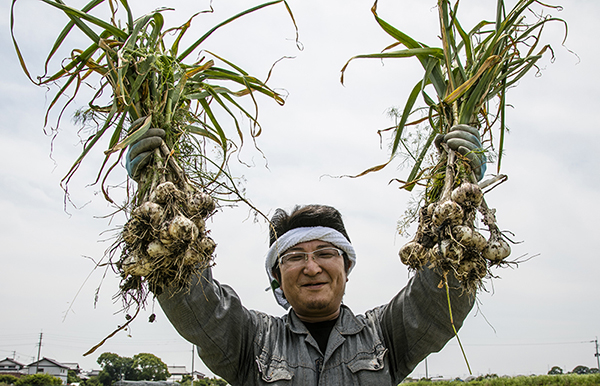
(544,313)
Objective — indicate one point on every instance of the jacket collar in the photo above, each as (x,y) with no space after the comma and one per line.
(347,323)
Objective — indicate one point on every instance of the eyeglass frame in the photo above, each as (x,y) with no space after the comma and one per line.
(307,254)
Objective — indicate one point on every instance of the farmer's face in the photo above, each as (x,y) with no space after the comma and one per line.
(314,290)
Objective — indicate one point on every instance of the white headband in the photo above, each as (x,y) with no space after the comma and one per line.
(299,235)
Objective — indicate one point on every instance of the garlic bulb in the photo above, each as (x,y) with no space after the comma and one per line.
(447,212)
(468,195)
(135,265)
(497,249)
(469,237)
(412,254)
(157,249)
(164,193)
(179,229)
(149,211)
(200,203)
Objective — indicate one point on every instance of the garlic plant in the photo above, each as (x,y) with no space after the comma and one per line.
(143,79)
(470,74)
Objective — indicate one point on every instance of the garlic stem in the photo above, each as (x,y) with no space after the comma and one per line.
(449,178)
(171,162)
(500,178)
(489,216)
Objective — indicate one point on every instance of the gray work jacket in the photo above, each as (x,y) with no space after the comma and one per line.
(381,347)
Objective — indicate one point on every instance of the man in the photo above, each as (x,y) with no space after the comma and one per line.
(319,341)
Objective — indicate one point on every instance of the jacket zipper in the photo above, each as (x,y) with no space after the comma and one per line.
(319,365)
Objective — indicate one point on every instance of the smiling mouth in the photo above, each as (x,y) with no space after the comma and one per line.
(313,285)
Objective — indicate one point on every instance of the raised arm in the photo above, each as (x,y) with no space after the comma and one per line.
(417,321)
(212,317)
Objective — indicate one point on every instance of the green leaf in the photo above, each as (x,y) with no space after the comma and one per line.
(416,170)
(466,86)
(408,107)
(92,140)
(76,16)
(437,78)
(131,138)
(217,127)
(194,45)
(147,80)
(203,132)
(65,32)
(426,52)
(129,13)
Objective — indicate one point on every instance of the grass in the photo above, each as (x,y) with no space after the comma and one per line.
(536,380)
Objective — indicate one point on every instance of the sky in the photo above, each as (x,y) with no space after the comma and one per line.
(529,318)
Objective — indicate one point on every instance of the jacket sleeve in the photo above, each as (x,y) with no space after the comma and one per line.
(212,317)
(417,320)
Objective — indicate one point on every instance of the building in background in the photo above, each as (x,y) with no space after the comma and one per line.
(178,372)
(10,366)
(73,366)
(49,366)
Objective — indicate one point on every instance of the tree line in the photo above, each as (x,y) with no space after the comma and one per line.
(140,367)
(577,370)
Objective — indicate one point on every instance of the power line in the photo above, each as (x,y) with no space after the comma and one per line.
(16,353)
(526,344)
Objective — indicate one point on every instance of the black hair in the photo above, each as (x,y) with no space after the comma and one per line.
(306,216)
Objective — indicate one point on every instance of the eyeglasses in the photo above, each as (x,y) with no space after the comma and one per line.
(320,256)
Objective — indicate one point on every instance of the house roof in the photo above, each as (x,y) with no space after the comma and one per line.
(89,373)
(72,366)
(11,361)
(177,370)
(52,361)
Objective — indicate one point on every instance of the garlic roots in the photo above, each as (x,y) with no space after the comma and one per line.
(166,239)
(447,239)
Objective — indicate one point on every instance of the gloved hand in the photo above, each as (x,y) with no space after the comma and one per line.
(140,152)
(465,140)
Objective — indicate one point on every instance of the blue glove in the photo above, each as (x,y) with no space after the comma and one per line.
(140,152)
(465,140)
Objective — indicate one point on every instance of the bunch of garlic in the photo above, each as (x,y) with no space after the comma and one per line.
(447,239)
(167,234)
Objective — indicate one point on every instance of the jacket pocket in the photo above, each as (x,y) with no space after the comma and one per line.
(369,361)
(273,370)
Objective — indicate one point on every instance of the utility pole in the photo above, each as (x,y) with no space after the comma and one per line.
(597,355)
(193,349)
(38,357)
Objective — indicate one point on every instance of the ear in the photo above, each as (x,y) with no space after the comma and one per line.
(277,275)
(348,266)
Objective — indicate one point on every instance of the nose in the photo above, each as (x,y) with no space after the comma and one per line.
(311,267)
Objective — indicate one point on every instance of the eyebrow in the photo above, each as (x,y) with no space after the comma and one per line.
(319,246)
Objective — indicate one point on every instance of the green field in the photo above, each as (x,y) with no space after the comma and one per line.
(537,380)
